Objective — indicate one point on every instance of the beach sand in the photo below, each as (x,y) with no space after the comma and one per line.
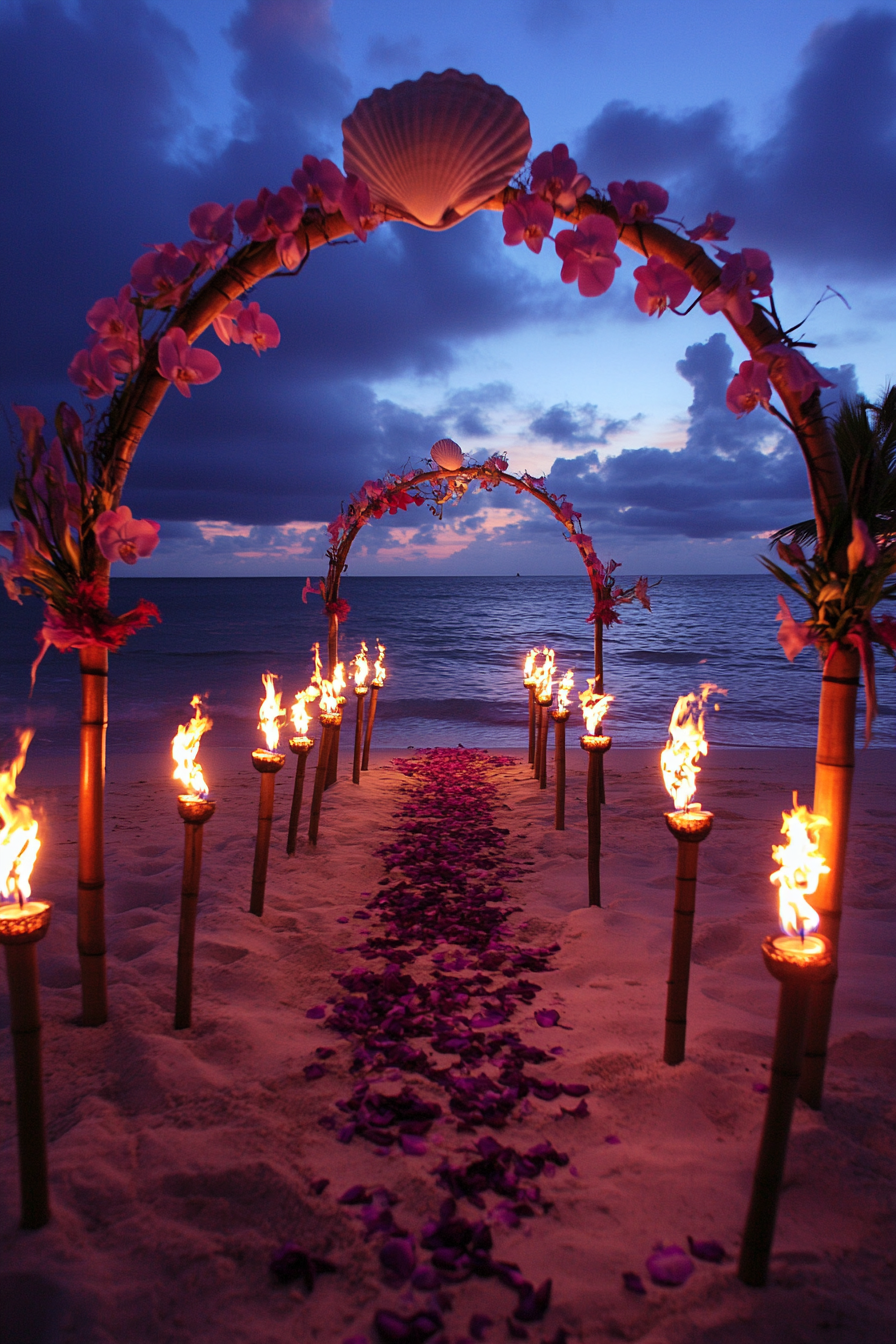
(181,1160)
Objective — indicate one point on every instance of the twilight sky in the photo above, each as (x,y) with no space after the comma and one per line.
(121,115)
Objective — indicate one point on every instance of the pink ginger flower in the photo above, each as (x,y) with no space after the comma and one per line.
(357,209)
(225,323)
(641,593)
(661,285)
(791,553)
(529,220)
(556,178)
(257,329)
(793,636)
(862,550)
(884,628)
(801,377)
(182,365)
(212,222)
(92,371)
(589,255)
(748,388)
(162,274)
(745,275)
(121,536)
(321,183)
(637,201)
(714,229)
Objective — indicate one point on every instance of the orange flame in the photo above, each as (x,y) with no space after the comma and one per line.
(184,749)
(271,717)
(686,745)
(594,707)
(18,838)
(329,690)
(529,667)
(362,667)
(563,692)
(379,667)
(300,717)
(800,870)
(544,675)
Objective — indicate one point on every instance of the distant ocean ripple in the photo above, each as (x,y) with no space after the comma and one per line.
(455,648)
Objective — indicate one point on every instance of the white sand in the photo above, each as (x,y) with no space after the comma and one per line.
(179,1161)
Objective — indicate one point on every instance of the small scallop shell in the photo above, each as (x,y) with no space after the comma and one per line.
(446,453)
(433,149)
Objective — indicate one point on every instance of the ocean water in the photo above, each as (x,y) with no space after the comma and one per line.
(455,648)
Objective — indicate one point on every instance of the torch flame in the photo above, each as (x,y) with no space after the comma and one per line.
(18,838)
(329,690)
(271,717)
(594,707)
(686,744)
(529,667)
(300,716)
(800,870)
(544,675)
(379,667)
(563,692)
(184,749)
(362,667)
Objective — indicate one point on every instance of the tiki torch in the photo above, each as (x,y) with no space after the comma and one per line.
(330,720)
(23,922)
(529,680)
(800,959)
(543,696)
(362,671)
(594,707)
(271,719)
(560,716)
(300,746)
(333,758)
(195,808)
(679,764)
(379,678)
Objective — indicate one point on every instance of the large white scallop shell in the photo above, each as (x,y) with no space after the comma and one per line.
(434,148)
(447,454)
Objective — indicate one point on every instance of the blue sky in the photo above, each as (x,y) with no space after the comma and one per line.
(125,114)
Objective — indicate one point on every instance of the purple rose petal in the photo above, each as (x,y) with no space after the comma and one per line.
(319,1186)
(342,919)
(760,1087)
(413,1145)
(399,1260)
(633,1282)
(317,1012)
(355,1194)
(612,1138)
(547,1017)
(713,1251)
(312,1071)
(669,1266)
(425,1279)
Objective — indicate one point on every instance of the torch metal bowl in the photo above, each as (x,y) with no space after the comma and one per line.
(299,744)
(195,810)
(807,968)
(690,826)
(268,762)
(595,742)
(28,925)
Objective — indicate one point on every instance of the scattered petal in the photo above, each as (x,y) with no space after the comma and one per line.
(669,1266)
(633,1282)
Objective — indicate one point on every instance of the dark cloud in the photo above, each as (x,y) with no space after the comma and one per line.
(733,478)
(820,188)
(404,53)
(570,425)
(466,409)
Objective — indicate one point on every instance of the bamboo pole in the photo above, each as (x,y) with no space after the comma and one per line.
(328,724)
(834,772)
(596,747)
(560,718)
(20,931)
(544,707)
(301,748)
(689,828)
(599,687)
(94,664)
(536,764)
(194,812)
(797,976)
(267,763)
(360,692)
(333,758)
(531,686)
(368,733)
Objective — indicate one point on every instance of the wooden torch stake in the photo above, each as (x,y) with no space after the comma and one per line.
(328,724)
(834,770)
(360,692)
(94,663)
(596,747)
(301,748)
(544,721)
(536,764)
(798,979)
(195,812)
(689,828)
(333,756)
(532,725)
(20,937)
(267,763)
(368,732)
(560,770)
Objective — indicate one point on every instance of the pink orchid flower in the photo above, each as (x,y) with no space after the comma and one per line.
(161,274)
(315,589)
(257,329)
(884,628)
(745,275)
(182,364)
(213,222)
(114,320)
(641,593)
(589,255)
(567,512)
(862,550)
(529,220)
(336,528)
(121,536)
(714,229)
(93,373)
(270,214)
(748,388)
(204,256)
(497,462)
(225,323)
(793,636)
(637,201)
(357,209)
(661,285)
(32,422)
(791,553)
(321,183)
(801,377)
(555,177)
(291,250)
